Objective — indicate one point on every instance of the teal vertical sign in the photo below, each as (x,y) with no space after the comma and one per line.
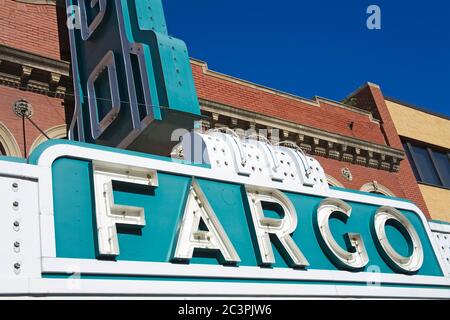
(133,82)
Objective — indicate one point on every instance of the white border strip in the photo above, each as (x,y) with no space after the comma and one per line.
(439,227)
(158,269)
(99,288)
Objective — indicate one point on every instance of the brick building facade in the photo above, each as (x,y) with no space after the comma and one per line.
(355,141)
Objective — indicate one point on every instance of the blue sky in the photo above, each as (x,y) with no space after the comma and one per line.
(323,47)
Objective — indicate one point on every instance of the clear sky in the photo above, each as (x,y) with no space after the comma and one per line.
(323,47)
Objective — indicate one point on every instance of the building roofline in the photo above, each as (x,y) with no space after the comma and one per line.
(315,101)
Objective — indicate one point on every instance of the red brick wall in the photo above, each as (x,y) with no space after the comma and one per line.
(371,98)
(361,175)
(48,112)
(325,116)
(29,27)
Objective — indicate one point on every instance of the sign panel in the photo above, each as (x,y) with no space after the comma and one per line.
(133,82)
(115,222)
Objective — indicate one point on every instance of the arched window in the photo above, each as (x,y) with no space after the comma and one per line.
(57,132)
(8,144)
(375,187)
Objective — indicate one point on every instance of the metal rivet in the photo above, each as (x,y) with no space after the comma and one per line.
(15,185)
(17,244)
(15,204)
(17,268)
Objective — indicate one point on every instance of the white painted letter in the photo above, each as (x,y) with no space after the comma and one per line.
(403,264)
(345,259)
(191,236)
(281,229)
(110,214)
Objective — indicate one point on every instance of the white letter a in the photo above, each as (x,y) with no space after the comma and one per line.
(201,229)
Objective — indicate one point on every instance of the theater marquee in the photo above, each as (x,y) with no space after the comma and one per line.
(82,220)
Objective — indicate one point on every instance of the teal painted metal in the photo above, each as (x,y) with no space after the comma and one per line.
(164,207)
(154,76)
(41,148)
(13,159)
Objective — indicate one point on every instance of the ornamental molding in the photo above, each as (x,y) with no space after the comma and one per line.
(347,174)
(56,132)
(8,142)
(47,2)
(376,187)
(32,72)
(312,140)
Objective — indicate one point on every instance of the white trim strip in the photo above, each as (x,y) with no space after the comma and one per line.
(56,287)
(158,269)
(440,227)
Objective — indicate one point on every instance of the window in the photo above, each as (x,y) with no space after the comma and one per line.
(430,164)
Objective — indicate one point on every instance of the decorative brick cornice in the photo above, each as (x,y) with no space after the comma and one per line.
(312,140)
(32,72)
(47,2)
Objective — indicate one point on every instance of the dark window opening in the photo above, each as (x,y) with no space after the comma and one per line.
(430,164)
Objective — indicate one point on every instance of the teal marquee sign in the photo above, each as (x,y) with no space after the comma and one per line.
(164,207)
(105,221)
(165,204)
